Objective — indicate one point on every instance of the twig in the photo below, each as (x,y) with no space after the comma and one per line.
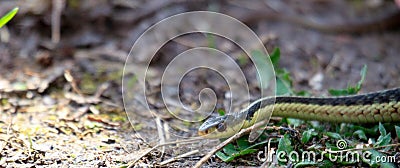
(101,89)
(4,34)
(79,113)
(8,136)
(160,134)
(9,125)
(102,120)
(166,131)
(58,6)
(68,76)
(161,145)
(178,157)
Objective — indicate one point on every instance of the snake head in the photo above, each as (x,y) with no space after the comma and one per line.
(212,124)
(219,127)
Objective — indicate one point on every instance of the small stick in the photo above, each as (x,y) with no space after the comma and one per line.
(8,135)
(160,134)
(58,6)
(131,164)
(178,157)
(68,76)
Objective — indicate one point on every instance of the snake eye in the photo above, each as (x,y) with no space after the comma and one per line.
(221,127)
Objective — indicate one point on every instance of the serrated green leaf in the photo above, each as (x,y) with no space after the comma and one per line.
(382,129)
(8,16)
(294,122)
(307,135)
(283,79)
(369,131)
(383,140)
(221,112)
(334,135)
(285,76)
(227,158)
(275,57)
(374,160)
(282,87)
(360,134)
(303,93)
(350,89)
(336,92)
(363,73)
(246,151)
(230,150)
(243,143)
(285,145)
(223,156)
(397,128)
(265,70)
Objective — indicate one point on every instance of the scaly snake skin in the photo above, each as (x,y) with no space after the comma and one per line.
(382,106)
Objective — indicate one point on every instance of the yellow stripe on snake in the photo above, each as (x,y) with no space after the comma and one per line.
(382,106)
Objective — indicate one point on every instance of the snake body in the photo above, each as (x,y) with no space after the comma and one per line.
(382,106)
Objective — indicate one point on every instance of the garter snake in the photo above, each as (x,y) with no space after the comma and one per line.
(381,106)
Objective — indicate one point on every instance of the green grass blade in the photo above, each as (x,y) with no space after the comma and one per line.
(8,17)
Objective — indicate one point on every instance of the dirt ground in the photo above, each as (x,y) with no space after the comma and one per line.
(61,86)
